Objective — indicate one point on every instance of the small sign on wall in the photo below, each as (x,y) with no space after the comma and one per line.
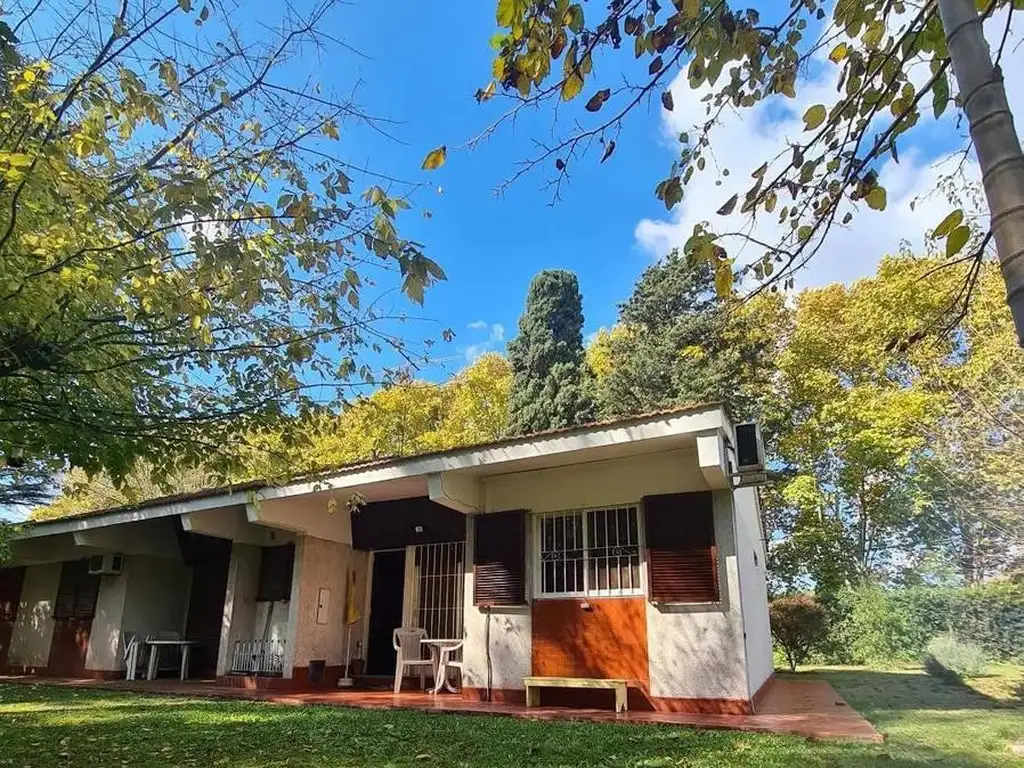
(323,605)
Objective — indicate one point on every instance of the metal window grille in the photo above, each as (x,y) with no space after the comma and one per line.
(440,579)
(590,552)
(258,657)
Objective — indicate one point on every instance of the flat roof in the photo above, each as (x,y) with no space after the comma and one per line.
(481,455)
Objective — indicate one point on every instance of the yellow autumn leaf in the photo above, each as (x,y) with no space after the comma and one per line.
(435,158)
(571,87)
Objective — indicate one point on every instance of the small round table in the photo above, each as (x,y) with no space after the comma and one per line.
(439,646)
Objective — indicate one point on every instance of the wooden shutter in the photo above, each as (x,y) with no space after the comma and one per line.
(682,559)
(76,592)
(499,559)
(276,564)
(10,592)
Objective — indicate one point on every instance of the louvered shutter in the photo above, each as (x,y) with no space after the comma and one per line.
(276,564)
(10,592)
(77,591)
(682,558)
(499,559)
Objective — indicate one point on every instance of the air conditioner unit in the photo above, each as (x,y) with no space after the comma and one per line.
(749,449)
(110,565)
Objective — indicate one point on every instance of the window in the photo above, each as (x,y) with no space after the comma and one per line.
(276,565)
(590,552)
(77,591)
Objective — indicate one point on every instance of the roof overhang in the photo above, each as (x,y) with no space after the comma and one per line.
(448,477)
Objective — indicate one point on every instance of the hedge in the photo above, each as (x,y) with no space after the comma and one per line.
(871,625)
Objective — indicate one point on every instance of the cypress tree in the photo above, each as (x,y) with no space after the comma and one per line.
(549,377)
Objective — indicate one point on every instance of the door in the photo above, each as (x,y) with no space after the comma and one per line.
(73,611)
(68,648)
(386,592)
(210,559)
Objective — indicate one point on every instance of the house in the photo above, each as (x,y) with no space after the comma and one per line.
(614,550)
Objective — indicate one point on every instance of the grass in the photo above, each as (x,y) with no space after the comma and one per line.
(961,725)
(926,722)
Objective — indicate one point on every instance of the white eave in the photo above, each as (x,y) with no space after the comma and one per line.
(626,437)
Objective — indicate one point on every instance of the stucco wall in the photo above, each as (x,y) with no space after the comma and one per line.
(616,481)
(33,628)
(104,652)
(158,593)
(497,652)
(239,602)
(753,590)
(319,564)
(310,515)
(696,651)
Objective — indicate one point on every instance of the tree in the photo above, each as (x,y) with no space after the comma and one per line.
(677,342)
(889,62)
(404,418)
(186,255)
(549,375)
(81,493)
(798,625)
(477,404)
(884,446)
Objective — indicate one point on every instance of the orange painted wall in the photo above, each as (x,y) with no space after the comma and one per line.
(609,640)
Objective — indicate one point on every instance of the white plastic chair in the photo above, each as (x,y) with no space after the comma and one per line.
(408,642)
(133,663)
(444,663)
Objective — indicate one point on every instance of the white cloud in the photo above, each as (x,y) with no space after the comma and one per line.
(495,338)
(745,139)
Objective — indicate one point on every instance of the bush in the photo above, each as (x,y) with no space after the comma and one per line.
(798,625)
(953,659)
(871,625)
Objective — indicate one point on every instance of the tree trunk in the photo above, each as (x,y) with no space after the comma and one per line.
(995,141)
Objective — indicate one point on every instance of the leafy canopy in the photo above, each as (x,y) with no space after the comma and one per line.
(677,343)
(888,62)
(407,417)
(185,253)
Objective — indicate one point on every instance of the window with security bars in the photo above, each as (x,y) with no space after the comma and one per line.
(590,552)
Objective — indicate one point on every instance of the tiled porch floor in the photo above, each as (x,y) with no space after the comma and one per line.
(809,708)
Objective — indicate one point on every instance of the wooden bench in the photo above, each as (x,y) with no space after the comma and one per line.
(534,684)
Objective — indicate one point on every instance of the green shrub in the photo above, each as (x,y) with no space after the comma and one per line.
(871,625)
(948,657)
(798,625)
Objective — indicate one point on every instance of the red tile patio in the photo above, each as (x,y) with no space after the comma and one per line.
(808,708)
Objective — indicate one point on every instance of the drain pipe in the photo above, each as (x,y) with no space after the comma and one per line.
(487,648)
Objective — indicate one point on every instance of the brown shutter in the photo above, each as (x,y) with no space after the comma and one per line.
(499,559)
(76,592)
(276,564)
(10,592)
(682,558)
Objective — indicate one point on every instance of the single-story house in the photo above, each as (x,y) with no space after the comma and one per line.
(617,550)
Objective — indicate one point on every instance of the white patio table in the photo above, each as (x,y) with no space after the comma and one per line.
(437,646)
(155,646)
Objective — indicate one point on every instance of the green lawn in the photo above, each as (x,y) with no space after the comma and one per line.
(926,723)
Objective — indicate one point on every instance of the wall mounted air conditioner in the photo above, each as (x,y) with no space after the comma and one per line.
(749,449)
(110,565)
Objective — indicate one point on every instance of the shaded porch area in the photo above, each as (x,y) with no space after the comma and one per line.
(807,708)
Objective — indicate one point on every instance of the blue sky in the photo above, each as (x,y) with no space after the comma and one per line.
(425,62)
(428,59)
